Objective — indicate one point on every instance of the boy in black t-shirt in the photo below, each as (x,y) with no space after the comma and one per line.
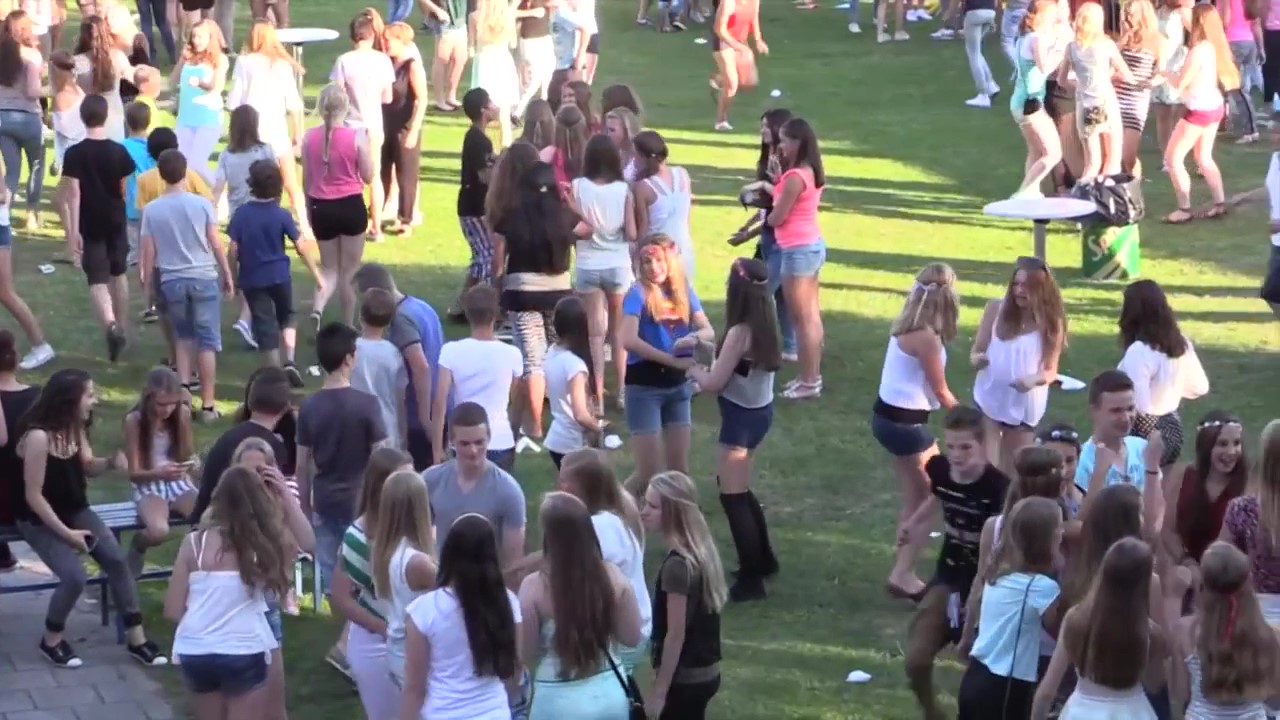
(96,169)
(477,161)
(968,490)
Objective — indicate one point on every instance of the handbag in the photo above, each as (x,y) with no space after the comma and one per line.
(634,698)
(1117,200)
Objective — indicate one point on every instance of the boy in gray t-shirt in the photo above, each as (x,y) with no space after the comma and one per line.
(379,368)
(182,249)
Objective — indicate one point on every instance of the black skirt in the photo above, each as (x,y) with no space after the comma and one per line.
(1170,427)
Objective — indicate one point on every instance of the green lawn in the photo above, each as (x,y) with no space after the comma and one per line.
(909,167)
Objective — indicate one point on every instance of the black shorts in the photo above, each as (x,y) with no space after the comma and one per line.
(105,257)
(1058,100)
(270,312)
(193,5)
(345,216)
(593,44)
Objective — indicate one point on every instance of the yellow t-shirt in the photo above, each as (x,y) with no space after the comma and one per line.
(151,185)
(159,118)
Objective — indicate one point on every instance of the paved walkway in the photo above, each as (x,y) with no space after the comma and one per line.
(109,686)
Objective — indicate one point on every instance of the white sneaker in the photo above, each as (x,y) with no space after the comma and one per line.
(723,126)
(993,90)
(943,34)
(910,15)
(901,35)
(855,28)
(38,356)
(979,101)
(1028,194)
(923,15)
(883,37)
(246,333)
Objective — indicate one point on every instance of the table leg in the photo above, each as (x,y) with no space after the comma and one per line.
(1040,232)
(297,57)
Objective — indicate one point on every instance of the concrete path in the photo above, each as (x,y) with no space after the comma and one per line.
(109,686)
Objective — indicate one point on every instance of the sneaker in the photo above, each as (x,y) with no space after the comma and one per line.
(338,661)
(38,356)
(790,356)
(979,101)
(923,15)
(943,34)
(295,378)
(1028,194)
(678,25)
(209,415)
(611,442)
(503,331)
(115,342)
(723,126)
(855,28)
(910,15)
(747,589)
(993,90)
(149,316)
(246,333)
(148,653)
(901,35)
(1247,139)
(883,37)
(61,655)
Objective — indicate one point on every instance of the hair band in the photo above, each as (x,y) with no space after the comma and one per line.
(742,273)
(1217,423)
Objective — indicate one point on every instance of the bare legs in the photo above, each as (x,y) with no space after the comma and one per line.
(655,452)
(1044,149)
(339,260)
(16,306)
(727,78)
(1003,443)
(914,487)
(1189,138)
(801,292)
(446,68)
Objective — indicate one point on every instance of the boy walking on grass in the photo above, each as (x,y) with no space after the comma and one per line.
(181,249)
(96,169)
(259,230)
(137,118)
(380,369)
(477,162)
(147,79)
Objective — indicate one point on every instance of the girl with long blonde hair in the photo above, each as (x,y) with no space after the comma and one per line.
(1095,59)
(337,163)
(1252,523)
(266,77)
(913,384)
(492,29)
(1143,50)
(662,325)
(400,556)
(1228,657)
(690,585)
(622,125)
(1037,56)
(199,76)
(1208,71)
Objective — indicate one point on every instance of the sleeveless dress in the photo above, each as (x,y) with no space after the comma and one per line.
(495,70)
(1009,360)
(1171,29)
(170,490)
(669,214)
(1092,66)
(1135,99)
(596,697)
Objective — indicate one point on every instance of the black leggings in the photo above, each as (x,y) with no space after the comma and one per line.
(689,701)
(1271,68)
(986,696)
(404,162)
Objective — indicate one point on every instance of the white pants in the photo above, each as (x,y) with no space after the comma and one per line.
(367,656)
(196,144)
(537,65)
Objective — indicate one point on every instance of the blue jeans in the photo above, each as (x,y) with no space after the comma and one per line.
(398,10)
(1010,30)
(153,12)
(652,409)
(22,133)
(329,532)
(854,11)
(195,309)
(773,257)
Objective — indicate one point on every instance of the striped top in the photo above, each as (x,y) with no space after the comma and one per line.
(1200,708)
(355,563)
(1135,98)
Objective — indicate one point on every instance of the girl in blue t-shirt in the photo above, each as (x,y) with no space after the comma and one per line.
(1019,600)
(662,324)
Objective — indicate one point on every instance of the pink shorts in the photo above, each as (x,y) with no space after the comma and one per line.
(1204,118)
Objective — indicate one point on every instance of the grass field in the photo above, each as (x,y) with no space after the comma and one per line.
(909,167)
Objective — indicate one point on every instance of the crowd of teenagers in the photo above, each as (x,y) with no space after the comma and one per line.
(1082,574)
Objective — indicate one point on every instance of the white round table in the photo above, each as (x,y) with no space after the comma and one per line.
(298,37)
(1041,211)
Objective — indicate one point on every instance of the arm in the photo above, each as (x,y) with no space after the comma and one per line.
(175,75)
(629,225)
(641,198)
(512,545)
(73,214)
(969,633)
(626,614)
(791,189)
(499,242)
(1197,382)
(146,256)
(629,330)
(418,83)
(530,621)
(218,82)
(175,597)
(220,254)
(736,342)
(1046,59)
(582,413)
(417,664)
(1170,540)
(444,383)
(512,519)
(982,339)
(927,348)
(35,457)
(343,600)
(420,374)
(364,157)
(1048,368)
(33,82)
(673,644)
(1152,492)
(303,248)
(1119,67)
(420,573)
(1049,684)
(302,475)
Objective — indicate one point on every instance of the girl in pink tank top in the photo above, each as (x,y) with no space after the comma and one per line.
(331,163)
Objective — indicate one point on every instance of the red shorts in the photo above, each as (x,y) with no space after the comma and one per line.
(1204,118)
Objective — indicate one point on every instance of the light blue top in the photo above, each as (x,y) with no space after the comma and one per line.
(198,107)
(1135,468)
(1030,81)
(999,628)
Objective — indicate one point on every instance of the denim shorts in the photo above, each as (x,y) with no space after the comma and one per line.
(742,427)
(329,532)
(614,280)
(274,619)
(900,439)
(650,409)
(226,674)
(6,236)
(804,260)
(195,309)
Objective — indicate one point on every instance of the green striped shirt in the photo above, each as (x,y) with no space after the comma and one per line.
(355,563)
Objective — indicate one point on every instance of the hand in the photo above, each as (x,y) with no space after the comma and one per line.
(735,239)
(439,14)
(657,701)
(1104,457)
(683,363)
(688,342)
(322,288)
(270,475)
(173,471)
(411,138)
(1154,451)
(228,287)
(194,81)
(437,455)
(761,47)
(979,360)
(964,647)
(118,461)
(1026,384)
(80,540)
(4,196)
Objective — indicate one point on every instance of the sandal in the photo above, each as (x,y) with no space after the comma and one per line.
(899,593)
(803,391)
(1181,216)
(1217,211)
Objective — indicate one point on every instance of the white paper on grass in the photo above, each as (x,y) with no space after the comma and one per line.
(935,534)
(857,676)
(775,93)
(46,269)
(612,442)
(700,41)
(314,371)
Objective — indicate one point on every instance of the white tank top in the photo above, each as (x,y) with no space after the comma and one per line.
(401,596)
(222,617)
(902,380)
(669,213)
(1203,92)
(993,389)
(604,207)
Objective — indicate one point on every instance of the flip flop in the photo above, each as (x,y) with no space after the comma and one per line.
(1216,212)
(1174,218)
(898,593)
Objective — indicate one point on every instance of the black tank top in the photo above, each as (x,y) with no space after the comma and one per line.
(397,114)
(65,489)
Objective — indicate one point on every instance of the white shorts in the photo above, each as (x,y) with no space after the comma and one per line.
(170,490)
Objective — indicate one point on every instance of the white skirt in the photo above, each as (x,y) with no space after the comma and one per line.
(1091,701)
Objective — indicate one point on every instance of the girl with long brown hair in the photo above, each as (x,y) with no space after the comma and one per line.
(572,612)
(162,460)
(1197,500)
(217,596)
(569,383)
(21,91)
(1228,657)
(539,126)
(569,146)
(662,325)
(1252,523)
(1161,362)
(1110,641)
(244,148)
(578,94)
(747,357)
(664,193)
(99,67)
(1016,352)
(200,76)
(1207,72)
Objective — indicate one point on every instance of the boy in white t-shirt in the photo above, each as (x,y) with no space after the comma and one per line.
(479,369)
(379,368)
